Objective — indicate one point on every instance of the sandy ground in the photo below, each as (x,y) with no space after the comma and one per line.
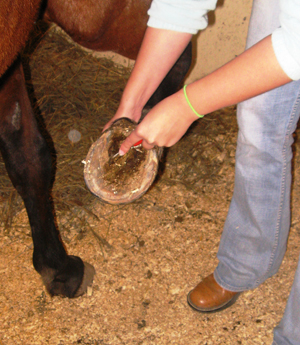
(148,255)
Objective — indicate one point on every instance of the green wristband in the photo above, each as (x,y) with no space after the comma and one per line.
(189,103)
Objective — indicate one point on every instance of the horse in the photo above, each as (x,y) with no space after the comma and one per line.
(101,25)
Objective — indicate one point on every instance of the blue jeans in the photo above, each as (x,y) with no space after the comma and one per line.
(255,233)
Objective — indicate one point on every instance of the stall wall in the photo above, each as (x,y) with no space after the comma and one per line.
(223,39)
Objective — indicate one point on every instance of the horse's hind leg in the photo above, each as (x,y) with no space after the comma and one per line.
(28,161)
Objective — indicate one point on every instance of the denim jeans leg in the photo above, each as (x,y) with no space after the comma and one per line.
(255,233)
(288,331)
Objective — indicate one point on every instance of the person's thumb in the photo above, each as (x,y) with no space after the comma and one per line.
(130,141)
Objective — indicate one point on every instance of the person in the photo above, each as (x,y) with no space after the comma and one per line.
(264,81)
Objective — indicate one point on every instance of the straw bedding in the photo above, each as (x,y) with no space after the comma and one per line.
(147,254)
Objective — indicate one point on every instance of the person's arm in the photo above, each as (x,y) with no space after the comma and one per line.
(159,51)
(255,71)
(171,25)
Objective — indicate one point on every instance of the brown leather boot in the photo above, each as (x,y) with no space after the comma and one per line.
(209,296)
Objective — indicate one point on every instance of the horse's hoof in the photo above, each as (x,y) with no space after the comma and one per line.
(71,281)
(87,280)
(116,179)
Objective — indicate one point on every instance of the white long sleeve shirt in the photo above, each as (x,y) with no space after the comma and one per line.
(190,16)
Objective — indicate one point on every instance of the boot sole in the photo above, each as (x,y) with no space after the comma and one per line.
(214,309)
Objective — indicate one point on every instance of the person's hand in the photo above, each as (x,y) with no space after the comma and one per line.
(128,112)
(164,125)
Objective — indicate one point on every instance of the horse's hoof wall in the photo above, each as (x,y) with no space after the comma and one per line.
(87,280)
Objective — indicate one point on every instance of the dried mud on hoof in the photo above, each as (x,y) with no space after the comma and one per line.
(119,179)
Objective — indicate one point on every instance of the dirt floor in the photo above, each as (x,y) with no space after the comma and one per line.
(149,254)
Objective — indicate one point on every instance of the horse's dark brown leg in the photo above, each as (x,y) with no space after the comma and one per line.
(28,161)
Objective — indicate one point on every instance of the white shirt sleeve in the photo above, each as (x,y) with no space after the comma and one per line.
(180,15)
(286,39)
